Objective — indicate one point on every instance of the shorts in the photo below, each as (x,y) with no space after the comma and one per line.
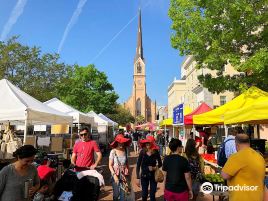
(172,196)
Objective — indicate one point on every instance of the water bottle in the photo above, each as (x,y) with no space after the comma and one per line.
(27,185)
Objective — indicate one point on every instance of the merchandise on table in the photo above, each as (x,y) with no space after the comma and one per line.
(214,178)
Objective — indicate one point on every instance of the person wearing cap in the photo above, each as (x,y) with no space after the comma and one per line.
(14,176)
(83,152)
(148,158)
(118,165)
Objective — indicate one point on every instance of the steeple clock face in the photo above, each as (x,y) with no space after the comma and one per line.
(138,67)
(139,82)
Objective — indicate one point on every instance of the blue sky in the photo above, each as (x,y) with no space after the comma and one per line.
(102,32)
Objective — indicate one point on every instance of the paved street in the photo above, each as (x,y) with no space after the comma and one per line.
(106,193)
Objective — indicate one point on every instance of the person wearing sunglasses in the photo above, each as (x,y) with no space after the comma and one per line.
(83,152)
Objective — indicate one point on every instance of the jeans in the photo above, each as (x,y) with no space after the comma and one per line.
(135,146)
(118,194)
(145,181)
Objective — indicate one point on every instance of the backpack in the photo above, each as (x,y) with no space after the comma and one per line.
(221,156)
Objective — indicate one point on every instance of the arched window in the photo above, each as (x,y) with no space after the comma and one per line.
(138,107)
(138,68)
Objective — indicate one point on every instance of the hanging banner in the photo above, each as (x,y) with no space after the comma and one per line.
(178,114)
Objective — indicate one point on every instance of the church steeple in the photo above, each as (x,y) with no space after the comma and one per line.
(139,48)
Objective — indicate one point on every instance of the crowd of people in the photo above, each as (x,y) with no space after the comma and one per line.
(182,168)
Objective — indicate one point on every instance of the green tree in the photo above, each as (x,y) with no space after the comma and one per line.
(220,32)
(35,73)
(87,89)
(121,116)
(140,119)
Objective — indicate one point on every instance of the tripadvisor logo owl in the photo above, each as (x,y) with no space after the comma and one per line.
(206,188)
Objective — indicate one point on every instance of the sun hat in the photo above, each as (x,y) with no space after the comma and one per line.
(151,140)
(120,139)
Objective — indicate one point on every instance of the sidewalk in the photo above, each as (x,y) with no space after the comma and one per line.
(107,192)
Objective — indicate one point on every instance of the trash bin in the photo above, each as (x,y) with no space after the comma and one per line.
(258,145)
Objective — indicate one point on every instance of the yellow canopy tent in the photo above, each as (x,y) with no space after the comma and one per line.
(217,116)
(166,122)
(257,112)
(187,110)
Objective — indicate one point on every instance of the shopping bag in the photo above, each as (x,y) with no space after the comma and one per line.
(158,175)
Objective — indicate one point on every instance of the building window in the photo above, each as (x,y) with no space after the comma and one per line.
(222,100)
(138,107)
(138,68)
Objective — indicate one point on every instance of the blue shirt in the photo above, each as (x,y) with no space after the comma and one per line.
(230,147)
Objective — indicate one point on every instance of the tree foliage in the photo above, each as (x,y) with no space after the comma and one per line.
(221,32)
(86,88)
(140,119)
(44,77)
(35,73)
(122,116)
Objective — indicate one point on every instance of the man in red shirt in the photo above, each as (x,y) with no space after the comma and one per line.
(83,152)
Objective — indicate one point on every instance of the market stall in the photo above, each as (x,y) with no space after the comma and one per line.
(17,107)
(217,116)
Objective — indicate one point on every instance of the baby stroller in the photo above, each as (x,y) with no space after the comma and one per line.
(85,189)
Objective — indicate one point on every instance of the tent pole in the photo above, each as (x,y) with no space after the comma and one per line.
(225,131)
(194,131)
(25,131)
(71,140)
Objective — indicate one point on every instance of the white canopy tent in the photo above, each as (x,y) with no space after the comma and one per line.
(108,119)
(17,107)
(98,119)
(79,117)
(103,127)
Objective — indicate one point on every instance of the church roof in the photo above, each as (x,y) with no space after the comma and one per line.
(139,48)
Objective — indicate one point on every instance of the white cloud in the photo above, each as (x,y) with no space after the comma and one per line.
(71,23)
(15,14)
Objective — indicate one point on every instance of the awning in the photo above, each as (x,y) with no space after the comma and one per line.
(251,112)
(188,119)
(166,122)
(245,100)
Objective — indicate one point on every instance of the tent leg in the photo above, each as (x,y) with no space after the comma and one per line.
(194,133)
(225,131)
(25,132)
(71,139)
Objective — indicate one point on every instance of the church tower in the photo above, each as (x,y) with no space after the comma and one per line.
(139,103)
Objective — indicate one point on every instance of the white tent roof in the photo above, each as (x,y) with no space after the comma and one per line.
(108,119)
(98,119)
(79,117)
(17,106)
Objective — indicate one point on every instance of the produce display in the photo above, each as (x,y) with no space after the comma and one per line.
(209,157)
(214,178)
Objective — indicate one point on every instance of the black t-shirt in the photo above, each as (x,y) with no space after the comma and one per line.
(135,136)
(176,166)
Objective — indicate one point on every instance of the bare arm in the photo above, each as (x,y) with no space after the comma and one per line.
(225,175)
(73,159)
(188,179)
(99,157)
(189,183)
